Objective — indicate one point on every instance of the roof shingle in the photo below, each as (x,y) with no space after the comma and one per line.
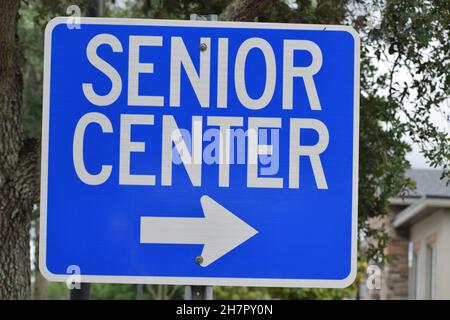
(428,183)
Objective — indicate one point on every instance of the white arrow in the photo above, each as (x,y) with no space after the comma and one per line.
(219,231)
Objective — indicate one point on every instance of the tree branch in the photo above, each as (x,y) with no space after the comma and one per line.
(244,10)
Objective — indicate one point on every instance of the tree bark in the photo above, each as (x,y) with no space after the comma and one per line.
(19,173)
(244,10)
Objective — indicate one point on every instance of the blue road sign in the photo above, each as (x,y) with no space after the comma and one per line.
(201,153)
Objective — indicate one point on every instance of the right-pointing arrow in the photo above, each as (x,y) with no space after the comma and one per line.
(220,231)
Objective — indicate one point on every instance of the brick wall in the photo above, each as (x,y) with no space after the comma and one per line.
(394,277)
(394,274)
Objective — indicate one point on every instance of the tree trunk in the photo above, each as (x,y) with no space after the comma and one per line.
(18,164)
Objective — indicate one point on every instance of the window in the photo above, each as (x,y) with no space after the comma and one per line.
(431,271)
(413,263)
(415,276)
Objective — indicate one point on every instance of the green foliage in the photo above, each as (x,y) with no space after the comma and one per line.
(164,292)
(57,291)
(253,293)
(413,37)
(32,39)
(241,293)
(246,293)
(103,291)
(34,15)
(106,291)
(99,291)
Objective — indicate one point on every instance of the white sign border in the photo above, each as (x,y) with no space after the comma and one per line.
(210,281)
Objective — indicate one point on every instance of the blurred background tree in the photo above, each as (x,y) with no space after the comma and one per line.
(405,35)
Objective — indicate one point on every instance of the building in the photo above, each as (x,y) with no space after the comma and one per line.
(419,225)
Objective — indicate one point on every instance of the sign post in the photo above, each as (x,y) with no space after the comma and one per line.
(200,292)
(200,153)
